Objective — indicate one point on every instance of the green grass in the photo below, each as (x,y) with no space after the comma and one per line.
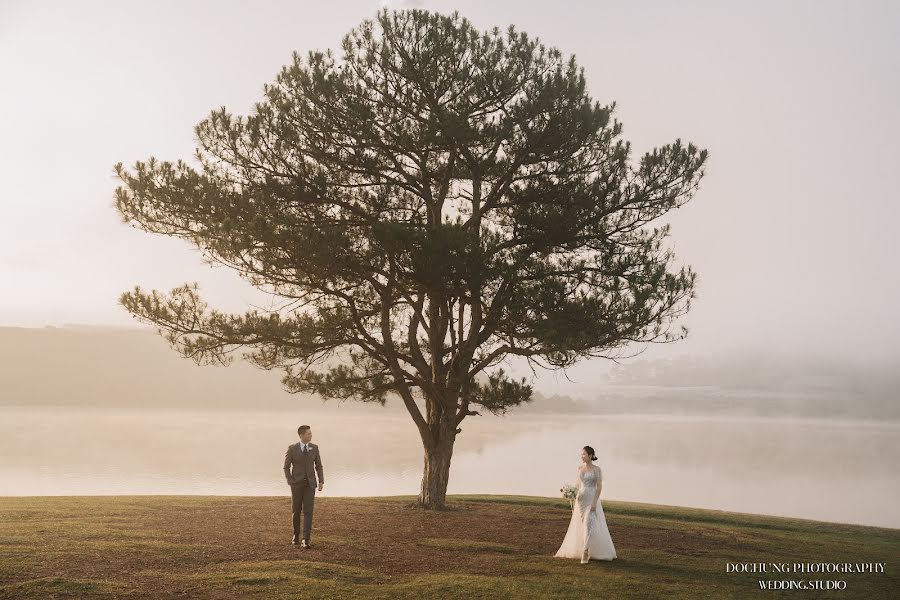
(384,548)
(59,587)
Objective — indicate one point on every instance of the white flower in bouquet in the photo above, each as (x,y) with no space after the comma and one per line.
(569,492)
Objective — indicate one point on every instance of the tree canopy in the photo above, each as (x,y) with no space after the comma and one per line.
(428,203)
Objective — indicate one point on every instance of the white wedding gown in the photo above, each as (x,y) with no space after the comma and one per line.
(587,532)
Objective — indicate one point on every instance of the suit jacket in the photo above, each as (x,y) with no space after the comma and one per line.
(297,464)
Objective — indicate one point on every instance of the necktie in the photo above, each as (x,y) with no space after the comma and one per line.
(304,448)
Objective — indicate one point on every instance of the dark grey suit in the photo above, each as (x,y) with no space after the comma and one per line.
(300,470)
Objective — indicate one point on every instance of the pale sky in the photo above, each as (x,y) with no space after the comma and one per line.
(793,233)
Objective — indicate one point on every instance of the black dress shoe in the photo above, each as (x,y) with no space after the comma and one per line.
(295,540)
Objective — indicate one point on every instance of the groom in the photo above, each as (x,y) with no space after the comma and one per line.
(306,462)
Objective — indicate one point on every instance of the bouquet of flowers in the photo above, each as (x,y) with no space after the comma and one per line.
(569,492)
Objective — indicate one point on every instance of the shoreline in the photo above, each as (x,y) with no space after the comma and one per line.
(613,504)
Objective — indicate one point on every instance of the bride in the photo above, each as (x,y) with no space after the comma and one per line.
(588,536)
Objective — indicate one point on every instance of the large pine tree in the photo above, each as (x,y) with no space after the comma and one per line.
(432,201)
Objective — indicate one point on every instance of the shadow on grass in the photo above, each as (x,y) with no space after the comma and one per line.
(466,545)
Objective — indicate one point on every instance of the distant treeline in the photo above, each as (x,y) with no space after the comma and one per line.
(756,370)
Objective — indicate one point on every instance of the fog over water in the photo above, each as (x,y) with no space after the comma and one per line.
(822,469)
(105,411)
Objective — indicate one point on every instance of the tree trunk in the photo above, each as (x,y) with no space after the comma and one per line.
(437,471)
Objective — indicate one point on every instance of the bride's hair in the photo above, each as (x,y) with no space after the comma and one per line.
(590,452)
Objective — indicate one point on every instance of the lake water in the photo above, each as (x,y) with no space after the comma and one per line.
(843,471)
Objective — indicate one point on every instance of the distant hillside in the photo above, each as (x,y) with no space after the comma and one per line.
(128,367)
(95,366)
(760,371)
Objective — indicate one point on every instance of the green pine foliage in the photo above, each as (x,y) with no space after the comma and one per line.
(429,202)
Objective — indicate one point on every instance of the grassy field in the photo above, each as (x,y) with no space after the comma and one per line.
(367,548)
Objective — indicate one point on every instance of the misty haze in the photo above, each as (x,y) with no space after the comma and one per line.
(123,414)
